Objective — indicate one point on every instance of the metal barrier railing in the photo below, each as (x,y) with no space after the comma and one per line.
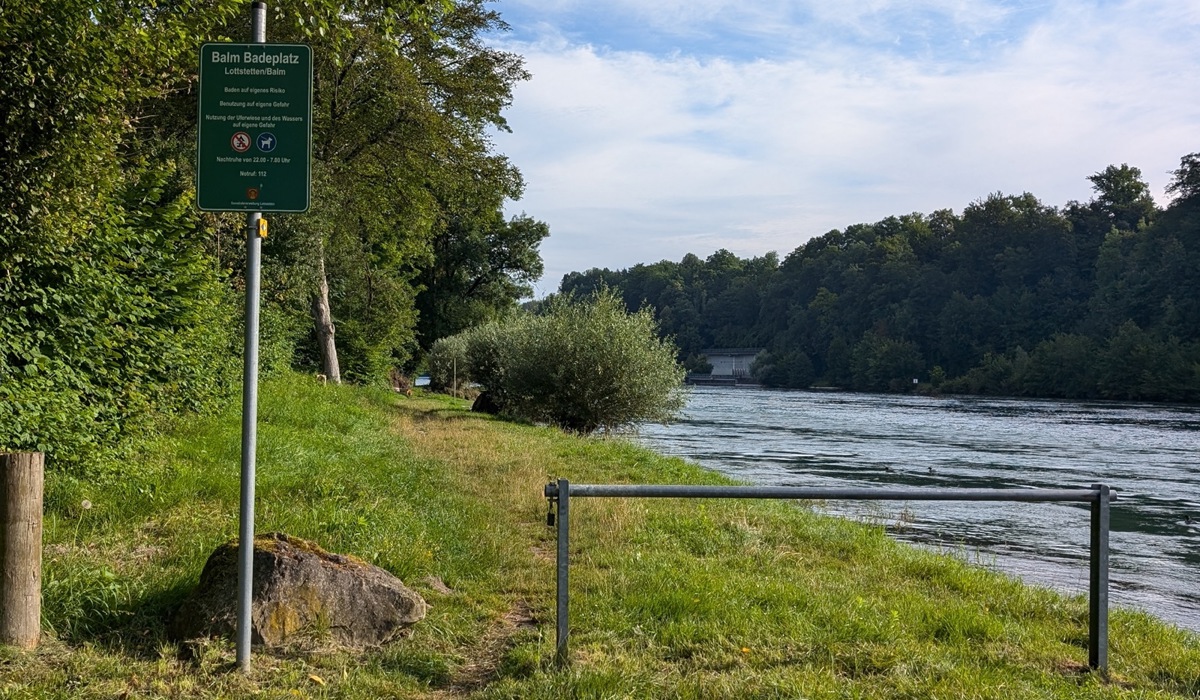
(561,492)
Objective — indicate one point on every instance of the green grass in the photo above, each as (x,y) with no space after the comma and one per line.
(672,599)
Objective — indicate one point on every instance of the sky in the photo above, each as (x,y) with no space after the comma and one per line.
(656,128)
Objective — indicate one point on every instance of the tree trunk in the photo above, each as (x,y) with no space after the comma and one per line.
(324,321)
(22,478)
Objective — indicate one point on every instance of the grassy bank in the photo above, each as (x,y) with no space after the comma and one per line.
(670,599)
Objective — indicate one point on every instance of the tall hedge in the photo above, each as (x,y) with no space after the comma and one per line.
(106,325)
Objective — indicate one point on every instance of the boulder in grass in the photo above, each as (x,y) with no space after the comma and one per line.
(301,593)
(486,403)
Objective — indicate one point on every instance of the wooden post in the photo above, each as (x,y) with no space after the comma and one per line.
(22,479)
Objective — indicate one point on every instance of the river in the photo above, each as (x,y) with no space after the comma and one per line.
(1150,453)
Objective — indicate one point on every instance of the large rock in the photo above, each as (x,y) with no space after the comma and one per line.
(486,403)
(300,593)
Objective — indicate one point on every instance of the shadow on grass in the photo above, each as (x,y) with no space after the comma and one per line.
(449,415)
(137,630)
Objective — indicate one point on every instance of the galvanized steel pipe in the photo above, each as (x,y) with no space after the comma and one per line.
(562,491)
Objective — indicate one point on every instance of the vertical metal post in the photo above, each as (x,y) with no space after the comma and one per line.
(563,560)
(1098,590)
(258,30)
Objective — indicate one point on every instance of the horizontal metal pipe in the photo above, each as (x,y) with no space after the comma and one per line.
(802,493)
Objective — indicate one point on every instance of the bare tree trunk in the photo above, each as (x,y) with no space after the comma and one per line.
(21,476)
(324,320)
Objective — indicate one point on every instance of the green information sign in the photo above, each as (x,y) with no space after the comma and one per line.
(255,133)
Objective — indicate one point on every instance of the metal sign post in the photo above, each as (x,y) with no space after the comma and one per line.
(249,403)
(253,154)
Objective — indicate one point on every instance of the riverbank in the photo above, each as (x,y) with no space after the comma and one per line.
(670,599)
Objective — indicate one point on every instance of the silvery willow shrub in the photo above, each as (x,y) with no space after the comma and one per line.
(478,356)
(492,351)
(447,362)
(581,365)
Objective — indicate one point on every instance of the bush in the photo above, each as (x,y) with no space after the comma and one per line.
(580,365)
(492,350)
(996,375)
(447,362)
(1064,366)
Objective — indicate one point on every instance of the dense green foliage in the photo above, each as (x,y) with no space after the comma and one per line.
(119,301)
(108,305)
(403,158)
(480,265)
(582,365)
(1091,300)
(104,328)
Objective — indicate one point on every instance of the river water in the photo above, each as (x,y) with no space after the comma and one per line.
(1150,453)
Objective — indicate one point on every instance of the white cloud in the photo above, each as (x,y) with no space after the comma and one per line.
(635,157)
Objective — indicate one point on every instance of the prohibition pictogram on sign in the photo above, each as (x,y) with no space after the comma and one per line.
(240,142)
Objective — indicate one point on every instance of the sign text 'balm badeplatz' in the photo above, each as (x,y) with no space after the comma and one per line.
(255,128)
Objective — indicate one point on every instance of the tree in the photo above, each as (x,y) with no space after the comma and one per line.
(584,284)
(482,265)
(1063,366)
(1123,197)
(1136,365)
(118,295)
(966,294)
(880,363)
(111,307)
(402,110)
(792,369)
(1185,181)
(364,53)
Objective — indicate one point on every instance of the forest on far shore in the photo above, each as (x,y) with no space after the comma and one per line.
(1099,299)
